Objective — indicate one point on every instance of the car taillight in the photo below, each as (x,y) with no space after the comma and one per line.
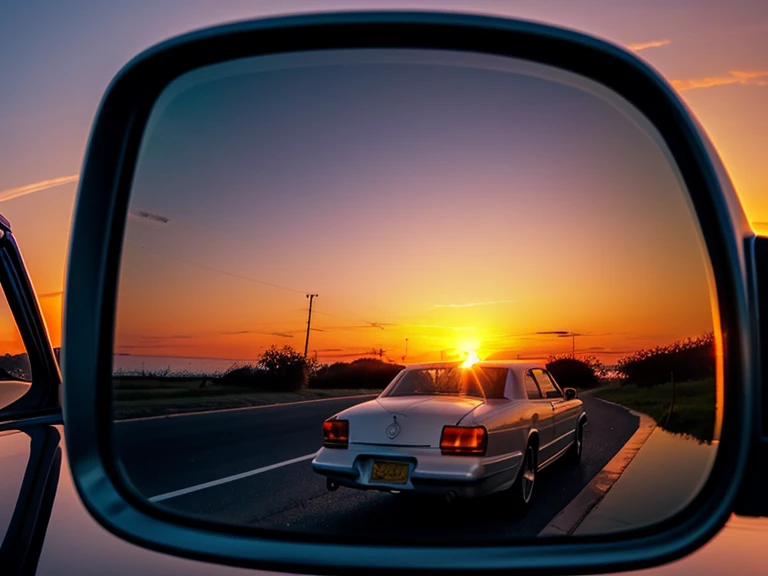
(464,440)
(336,433)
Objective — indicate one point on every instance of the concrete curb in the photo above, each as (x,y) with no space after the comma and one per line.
(199,412)
(570,517)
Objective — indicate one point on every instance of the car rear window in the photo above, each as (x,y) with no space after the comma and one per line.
(480,382)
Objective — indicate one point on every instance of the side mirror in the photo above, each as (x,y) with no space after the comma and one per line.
(376,159)
(570,393)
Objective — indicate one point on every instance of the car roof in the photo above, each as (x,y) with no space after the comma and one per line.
(512,364)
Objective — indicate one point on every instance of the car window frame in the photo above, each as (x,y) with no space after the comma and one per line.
(42,400)
(546,395)
(529,373)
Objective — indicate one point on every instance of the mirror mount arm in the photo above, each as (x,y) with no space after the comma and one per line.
(42,398)
(752,499)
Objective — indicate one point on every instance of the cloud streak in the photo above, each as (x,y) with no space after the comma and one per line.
(439,327)
(17,192)
(652,44)
(473,304)
(743,77)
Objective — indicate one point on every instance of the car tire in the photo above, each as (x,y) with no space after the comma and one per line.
(521,492)
(574,454)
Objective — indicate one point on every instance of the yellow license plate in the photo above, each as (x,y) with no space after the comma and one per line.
(389,472)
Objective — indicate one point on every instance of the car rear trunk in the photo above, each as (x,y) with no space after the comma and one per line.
(407,420)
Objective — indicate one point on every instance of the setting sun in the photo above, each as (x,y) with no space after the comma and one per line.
(471,360)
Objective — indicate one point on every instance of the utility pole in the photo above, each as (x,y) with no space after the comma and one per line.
(309,322)
(573,347)
(406,350)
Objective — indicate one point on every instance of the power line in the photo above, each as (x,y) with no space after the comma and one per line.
(220,271)
(379,325)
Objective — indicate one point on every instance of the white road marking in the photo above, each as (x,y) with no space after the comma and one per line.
(220,481)
(239,408)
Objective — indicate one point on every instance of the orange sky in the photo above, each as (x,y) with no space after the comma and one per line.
(715,57)
(458,207)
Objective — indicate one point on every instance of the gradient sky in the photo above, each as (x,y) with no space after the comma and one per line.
(63,56)
(459,205)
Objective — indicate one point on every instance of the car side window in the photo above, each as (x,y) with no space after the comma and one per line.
(548,387)
(15,372)
(531,388)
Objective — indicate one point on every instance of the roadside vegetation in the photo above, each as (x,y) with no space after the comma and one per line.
(673,384)
(279,375)
(580,372)
(693,412)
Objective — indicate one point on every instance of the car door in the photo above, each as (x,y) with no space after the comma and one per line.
(567,412)
(563,433)
(544,413)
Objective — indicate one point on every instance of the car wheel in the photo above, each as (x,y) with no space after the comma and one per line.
(578,446)
(522,489)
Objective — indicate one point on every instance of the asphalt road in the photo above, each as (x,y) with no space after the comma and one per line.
(165,455)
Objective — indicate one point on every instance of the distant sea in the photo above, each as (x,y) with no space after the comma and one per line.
(130,364)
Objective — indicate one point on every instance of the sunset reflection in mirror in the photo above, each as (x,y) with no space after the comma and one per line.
(303,227)
(434,208)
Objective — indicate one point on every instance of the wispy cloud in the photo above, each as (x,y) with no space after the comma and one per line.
(439,327)
(645,45)
(368,326)
(148,346)
(245,332)
(473,304)
(743,77)
(10,193)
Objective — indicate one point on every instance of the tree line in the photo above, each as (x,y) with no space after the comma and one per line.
(681,361)
(286,370)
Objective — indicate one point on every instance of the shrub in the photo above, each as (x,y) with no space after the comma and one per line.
(246,376)
(576,372)
(277,370)
(690,359)
(285,370)
(367,373)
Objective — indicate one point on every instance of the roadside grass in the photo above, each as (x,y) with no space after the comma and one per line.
(140,398)
(693,413)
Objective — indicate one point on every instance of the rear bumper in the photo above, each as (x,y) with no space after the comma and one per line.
(430,472)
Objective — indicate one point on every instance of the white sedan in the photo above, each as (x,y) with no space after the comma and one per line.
(456,430)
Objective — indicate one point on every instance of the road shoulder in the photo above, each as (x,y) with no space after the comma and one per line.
(570,517)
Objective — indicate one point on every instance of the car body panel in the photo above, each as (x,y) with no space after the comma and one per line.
(418,417)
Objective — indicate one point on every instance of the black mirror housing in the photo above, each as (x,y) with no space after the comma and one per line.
(570,393)
(95,252)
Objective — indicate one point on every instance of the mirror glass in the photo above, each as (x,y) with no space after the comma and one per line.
(355,285)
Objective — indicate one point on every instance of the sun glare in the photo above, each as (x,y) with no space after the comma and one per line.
(471,360)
